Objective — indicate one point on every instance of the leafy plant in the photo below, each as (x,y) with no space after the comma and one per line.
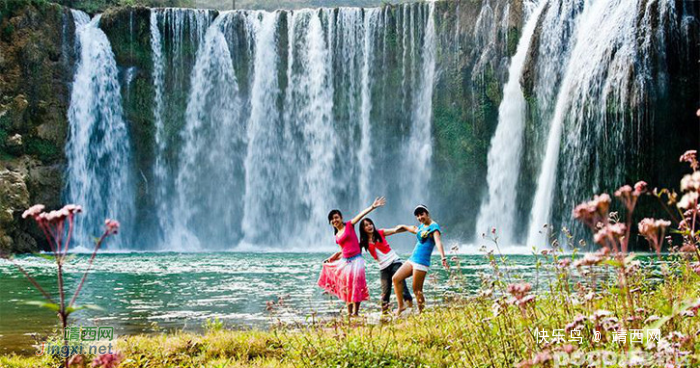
(57,227)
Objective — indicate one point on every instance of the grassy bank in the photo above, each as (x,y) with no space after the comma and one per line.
(495,328)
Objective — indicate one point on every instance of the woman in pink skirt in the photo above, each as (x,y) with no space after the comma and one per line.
(343,274)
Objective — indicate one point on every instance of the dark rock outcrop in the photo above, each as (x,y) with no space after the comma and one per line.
(36,58)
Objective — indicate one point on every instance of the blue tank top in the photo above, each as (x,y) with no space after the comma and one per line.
(425,244)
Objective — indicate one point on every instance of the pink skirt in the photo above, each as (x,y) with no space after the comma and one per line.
(345,279)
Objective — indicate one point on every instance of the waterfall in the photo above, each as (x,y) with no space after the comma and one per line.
(159,170)
(98,152)
(172,31)
(80,18)
(420,146)
(259,123)
(364,155)
(207,176)
(608,73)
(505,153)
(312,98)
(264,192)
(353,83)
(272,122)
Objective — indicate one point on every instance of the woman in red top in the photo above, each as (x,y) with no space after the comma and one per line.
(345,277)
(374,241)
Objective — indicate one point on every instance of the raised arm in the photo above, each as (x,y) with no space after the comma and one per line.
(438,242)
(396,230)
(378,202)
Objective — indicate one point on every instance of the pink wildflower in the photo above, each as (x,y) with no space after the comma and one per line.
(649,227)
(570,327)
(525,300)
(651,318)
(592,259)
(563,263)
(610,232)
(653,231)
(72,208)
(640,187)
(54,217)
(628,196)
(689,200)
(598,314)
(107,360)
(690,157)
(542,357)
(539,358)
(76,360)
(112,226)
(519,290)
(624,190)
(520,293)
(691,182)
(688,248)
(695,306)
(33,211)
(593,211)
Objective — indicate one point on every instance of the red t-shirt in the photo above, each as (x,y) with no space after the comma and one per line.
(382,252)
(348,242)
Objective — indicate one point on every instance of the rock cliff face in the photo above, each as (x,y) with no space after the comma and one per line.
(36,60)
(476,40)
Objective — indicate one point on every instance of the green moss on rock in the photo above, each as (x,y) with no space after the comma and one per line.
(45,150)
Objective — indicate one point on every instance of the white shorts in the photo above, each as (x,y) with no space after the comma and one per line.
(418,266)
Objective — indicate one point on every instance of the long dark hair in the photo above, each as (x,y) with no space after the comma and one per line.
(364,236)
(330,217)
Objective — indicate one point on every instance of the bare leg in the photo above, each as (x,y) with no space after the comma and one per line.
(409,302)
(418,280)
(398,279)
(350,307)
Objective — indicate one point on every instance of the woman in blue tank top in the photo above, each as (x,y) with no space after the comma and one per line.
(427,237)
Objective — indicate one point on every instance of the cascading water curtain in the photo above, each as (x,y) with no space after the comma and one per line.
(282,121)
(600,108)
(262,122)
(99,176)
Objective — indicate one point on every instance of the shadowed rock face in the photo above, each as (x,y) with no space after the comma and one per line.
(36,61)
